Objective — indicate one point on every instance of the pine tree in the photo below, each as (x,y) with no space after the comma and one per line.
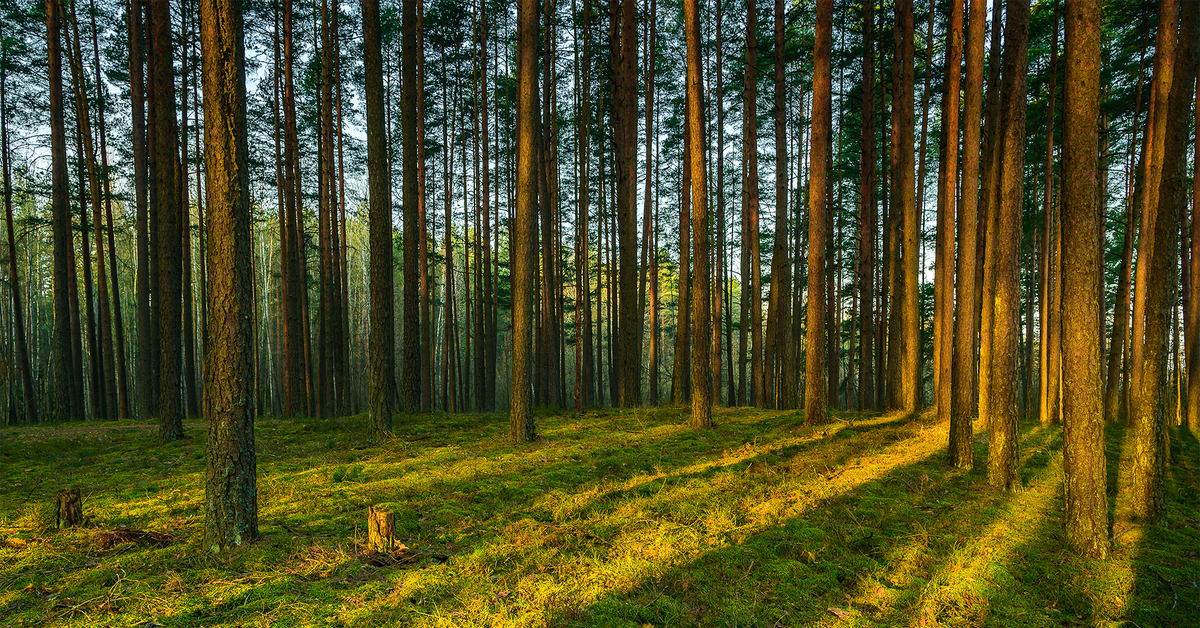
(231,501)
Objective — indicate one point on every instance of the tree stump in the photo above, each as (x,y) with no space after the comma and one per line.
(68,509)
(381,529)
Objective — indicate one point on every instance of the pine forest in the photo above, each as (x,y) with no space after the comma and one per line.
(600,312)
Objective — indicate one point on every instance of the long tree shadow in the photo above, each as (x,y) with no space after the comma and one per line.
(510,508)
(1166,557)
(863,551)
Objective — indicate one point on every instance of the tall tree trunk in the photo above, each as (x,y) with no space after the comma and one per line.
(297,386)
(719,251)
(867,217)
(752,294)
(625,133)
(649,57)
(22,348)
(1002,449)
(411,388)
(100,336)
(966,347)
(816,341)
(681,364)
(488,319)
(521,427)
(1051,266)
(382,354)
(1192,325)
(144,281)
(909,212)
(701,326)
(1116,390)
(167,212)
(781,375)
(988,202)
(1083,407)
(426,297)
(1163,195)
(947,193)
(121,383)
(191,397)
(328,326)
(231,508)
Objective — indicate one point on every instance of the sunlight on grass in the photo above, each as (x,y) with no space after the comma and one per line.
(612,519)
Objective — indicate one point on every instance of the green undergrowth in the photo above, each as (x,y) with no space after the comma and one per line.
(611,519)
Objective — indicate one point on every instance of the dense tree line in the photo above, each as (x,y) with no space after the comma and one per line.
(213,209)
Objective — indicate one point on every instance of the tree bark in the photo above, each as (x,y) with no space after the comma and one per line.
(966,348)
(816,341)
(947,193)
(1002,449)
(752,294)
(22,348)
(701,327)
(1163,195)
(1051,266)
(144,281)
(1086,518)
(868,218)
(65,397)
(521,427)
(780,376)
(381,349)
(910,233)
(231,494)
(989,202)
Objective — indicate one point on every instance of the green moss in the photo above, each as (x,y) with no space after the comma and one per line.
(613,519)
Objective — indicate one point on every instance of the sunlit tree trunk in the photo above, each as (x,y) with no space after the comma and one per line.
(1085,492)
(701,326)
(231,503)
(943,345)
(521,428)
(989,198)
(868,219)
(966,349)
(1006,295)
(815,398)
(1192,325)
(1164,193)
(1051,336)
(906,207)
(752,292)
(649,251)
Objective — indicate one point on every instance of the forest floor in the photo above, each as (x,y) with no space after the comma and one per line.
(610,519)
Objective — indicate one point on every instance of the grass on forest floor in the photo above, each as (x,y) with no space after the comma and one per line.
(611,519)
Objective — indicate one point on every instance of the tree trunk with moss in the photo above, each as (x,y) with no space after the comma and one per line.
(1006,297)
(231,502)
(379,216)
(966,349)
(1085,488)
(1163,195)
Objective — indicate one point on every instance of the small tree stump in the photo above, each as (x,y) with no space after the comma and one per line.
(381,529)
(68,509)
